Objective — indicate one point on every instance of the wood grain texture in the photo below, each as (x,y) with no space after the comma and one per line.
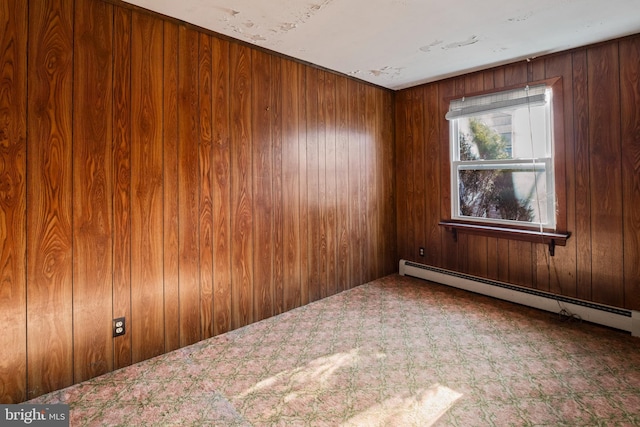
(332,175)
(390,245)
(221,188)
(291,186)
(630,137)
(205,105)
(170,188)
(165,141)
(147,258)
(303,176)
(355,157)
(13,200)
(369,183)
(343,253)
(92,189)
(313,186)
(433,189)
(262,154)
(582,177)
(562,274)
(188,186)
(361,115)
(122,181)
(323,203)
(277,185)
(606,175)
(241,191)
(49,188)
(402,176)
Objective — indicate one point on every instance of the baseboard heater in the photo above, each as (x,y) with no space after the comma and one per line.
(614,317)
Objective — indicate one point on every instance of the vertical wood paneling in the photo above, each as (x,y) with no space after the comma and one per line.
(205,102)
(390,245)
(354,188)
(332,176)
(322,206)
(402,176)
(49,192)
(13,198)
(278,208)
(188,186)
(369,184)
(242,255)
(582,177)
(147,318)
(122,181)
(170,187)
(433,190)
(303,176)
(262,185)
(291,186)
(221,188)
(343,253)
(313,185)
(630,137)
(92,189)
(188,159)
(363,175)
(605,166)
(562,275)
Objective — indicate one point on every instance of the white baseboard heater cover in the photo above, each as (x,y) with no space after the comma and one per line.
(614,317)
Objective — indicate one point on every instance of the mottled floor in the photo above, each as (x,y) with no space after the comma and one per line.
(396,352)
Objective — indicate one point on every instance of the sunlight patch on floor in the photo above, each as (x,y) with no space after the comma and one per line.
(421,409)
(316,375)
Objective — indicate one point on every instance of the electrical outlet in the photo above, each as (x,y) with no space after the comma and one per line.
(119,327)
(421,251)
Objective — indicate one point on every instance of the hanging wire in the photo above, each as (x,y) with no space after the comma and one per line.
(533,161)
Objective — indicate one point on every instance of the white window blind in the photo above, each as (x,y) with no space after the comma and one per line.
(471,106)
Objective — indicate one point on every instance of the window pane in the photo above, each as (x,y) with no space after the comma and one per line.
(486,137)
(504,194)
(518,134)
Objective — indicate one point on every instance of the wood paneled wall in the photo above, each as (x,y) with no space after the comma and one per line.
(601,156)
(187,182)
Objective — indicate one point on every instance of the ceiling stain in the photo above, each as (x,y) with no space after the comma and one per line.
(387,71)
(287,26)
(521,17)
(315,8)
(428,47)
(467,42)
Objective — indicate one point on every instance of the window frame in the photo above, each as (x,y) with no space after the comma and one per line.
(556,235)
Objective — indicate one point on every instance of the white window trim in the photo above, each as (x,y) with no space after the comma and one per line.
(509,99)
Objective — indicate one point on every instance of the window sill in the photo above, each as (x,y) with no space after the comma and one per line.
(551,239)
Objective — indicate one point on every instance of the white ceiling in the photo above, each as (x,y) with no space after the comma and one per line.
(402,43)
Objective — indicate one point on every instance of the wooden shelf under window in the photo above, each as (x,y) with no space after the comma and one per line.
(552,239)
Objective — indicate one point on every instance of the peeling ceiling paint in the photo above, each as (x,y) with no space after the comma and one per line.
(402,43)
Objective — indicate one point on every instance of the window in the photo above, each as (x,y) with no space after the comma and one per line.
(502,158)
